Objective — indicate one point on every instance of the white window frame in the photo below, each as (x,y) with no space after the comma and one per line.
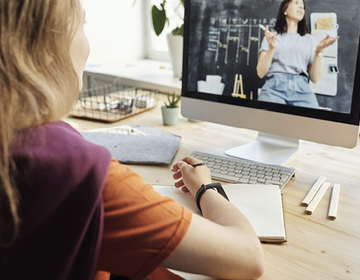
(156,46)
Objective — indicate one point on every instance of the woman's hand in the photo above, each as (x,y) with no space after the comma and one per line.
(266,57)
(270,37)
(316,68)
(190,178)
(324,43)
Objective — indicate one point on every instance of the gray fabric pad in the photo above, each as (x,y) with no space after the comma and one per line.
(157,147)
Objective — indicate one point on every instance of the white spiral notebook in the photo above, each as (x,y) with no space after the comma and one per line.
(261,204)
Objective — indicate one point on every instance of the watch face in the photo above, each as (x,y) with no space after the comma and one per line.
(216,186)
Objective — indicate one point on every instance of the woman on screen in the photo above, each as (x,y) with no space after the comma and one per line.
(68,210)
(290,58)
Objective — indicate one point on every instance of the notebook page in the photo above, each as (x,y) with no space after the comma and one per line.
(260,204)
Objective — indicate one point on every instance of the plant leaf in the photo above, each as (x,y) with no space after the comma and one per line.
(173,100)
(178,30)
(158,19)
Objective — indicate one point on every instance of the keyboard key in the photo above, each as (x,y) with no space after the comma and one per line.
(243,181)
(224,177)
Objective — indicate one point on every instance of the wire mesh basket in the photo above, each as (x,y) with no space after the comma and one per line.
(111,103)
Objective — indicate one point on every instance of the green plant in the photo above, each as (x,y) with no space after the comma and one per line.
(173,101)
(160,16)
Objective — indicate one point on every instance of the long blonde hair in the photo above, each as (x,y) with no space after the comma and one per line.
(38,83)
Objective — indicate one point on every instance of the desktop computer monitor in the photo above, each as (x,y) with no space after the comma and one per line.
(220,83)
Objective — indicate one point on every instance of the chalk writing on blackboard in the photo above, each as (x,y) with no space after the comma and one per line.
(235,35)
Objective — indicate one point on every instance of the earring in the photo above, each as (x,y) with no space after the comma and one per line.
(285,13)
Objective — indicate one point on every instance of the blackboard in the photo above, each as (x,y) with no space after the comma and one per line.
(225,39)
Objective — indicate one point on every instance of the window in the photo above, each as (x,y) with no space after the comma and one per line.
(157,45)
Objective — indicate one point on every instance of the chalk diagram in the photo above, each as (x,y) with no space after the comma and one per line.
(231,36)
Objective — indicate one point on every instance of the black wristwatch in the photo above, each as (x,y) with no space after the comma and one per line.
(203,188)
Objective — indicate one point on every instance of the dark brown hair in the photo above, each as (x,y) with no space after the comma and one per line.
(281,24)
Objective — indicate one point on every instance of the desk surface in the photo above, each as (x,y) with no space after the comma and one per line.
(317,248)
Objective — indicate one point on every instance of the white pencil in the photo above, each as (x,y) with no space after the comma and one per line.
(319,195)
(263,28)
(334,201)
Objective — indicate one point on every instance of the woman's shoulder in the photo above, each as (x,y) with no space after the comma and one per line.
(50,135)
(59,146)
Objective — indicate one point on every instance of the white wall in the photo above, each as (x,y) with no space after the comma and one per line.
(115,29)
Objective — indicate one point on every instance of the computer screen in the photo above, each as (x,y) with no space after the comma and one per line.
(222,80)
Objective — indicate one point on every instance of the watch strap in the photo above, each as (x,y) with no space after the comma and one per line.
(203,188)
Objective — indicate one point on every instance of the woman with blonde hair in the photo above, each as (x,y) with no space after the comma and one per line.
(70,211)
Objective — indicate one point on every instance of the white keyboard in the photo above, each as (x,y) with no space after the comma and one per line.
(236,170)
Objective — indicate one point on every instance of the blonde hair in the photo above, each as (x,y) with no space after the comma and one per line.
(38,83)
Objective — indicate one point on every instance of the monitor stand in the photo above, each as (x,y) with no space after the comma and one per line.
(267,148)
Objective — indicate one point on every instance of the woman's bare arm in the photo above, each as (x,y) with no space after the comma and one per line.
(222,243)
(266,57)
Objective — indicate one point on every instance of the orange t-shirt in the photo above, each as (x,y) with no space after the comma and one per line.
(141,227)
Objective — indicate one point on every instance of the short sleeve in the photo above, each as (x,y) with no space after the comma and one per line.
(264,45)
(141,227)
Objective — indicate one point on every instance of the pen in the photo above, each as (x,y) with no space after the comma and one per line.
(193,165)
(197,164)
(263,28)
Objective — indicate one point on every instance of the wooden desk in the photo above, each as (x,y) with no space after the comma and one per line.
(317,248)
